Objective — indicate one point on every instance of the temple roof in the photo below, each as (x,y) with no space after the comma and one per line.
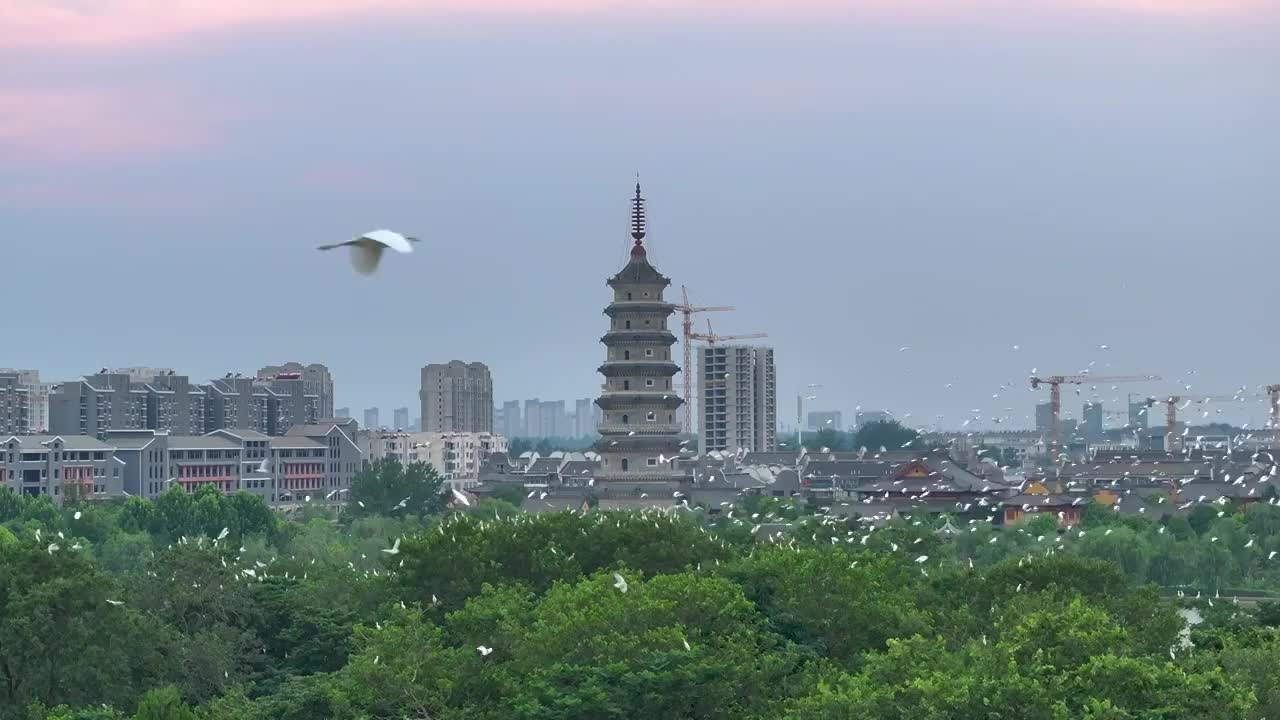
(638,270)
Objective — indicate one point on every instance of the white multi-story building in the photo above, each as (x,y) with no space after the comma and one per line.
(456,456)
(26,383)
(737,387)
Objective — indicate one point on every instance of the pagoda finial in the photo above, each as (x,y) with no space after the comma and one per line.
(637,214)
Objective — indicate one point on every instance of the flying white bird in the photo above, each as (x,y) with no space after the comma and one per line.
(76,516)
(115,602)
(394,549)
(264,467)
(367,249)
(620,582)
(484,651)
(460,497)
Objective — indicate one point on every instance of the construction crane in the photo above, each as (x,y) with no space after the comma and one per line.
(1173,439)
(688,311)
(712,338)
(1055,383)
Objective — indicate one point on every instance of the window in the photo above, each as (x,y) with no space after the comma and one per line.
(626,384)
(648,383)
(628,324)
(625,420)
(651,417)
(624,464)
(629,295)
(652,462)
(648,352)
(626,354)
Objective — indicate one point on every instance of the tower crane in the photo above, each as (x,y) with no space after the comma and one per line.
(712,338)
(688,311)
(1173,439)
(1055,383)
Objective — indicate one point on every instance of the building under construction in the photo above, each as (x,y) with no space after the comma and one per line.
(737,389)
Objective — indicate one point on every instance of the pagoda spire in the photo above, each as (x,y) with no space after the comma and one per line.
(637,215)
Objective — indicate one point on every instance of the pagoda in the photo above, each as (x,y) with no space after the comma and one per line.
(639,432)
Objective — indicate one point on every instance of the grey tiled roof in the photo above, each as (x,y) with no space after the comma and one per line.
(69,442)
(294,442)
(245,433)
(202,442)
(638,270)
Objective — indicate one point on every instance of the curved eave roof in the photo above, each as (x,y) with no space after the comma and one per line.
(617,308)
(667,444)
(639,271)
(623,368)
(639,335)
(623,400)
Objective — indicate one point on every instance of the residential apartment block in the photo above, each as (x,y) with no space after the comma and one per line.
(168,402)
(310,461)
(316,380)
(15,405)
(737,387)
(457,397)
(456,456)
(60,467)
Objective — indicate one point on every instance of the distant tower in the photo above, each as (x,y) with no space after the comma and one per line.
(639,430)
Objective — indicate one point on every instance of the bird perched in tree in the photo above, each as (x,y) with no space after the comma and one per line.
(366,250)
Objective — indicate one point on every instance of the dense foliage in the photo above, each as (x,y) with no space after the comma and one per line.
(206,607)
(874,436)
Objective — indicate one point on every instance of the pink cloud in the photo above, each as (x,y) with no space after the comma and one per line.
(63,125)
(127,22)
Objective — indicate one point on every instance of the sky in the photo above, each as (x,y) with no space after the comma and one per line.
(920,201)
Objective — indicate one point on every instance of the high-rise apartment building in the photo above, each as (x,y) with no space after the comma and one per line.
(371,419)
(640,432)
(457,397)
(342,413)
(316,380)
(1139,415)
(555,422)
(1092,422)
(737,386)
(37,398)
(15,405)
(584,418)
(1044,418)
(533,419)
(512,423)
(401,417)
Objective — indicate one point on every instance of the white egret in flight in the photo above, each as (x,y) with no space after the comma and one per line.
(366,250)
